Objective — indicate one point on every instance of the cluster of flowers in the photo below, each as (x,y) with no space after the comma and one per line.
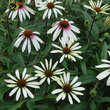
(68,49)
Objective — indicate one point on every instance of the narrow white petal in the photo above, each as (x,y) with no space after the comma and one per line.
(12,77)
(13,91)
(103,74)
(74,80)
(76,98)
(103,66)
(56,91)
(29,93)
(24,45)
(29,46)
(108,81)
(17,74)
(24,93)
(18,94)
(70,99)
(24,73)
(59,96)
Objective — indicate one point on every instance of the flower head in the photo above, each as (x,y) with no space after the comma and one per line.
(97,7)
(66,27)
(50,6)
(68,49)
(20,84)
(29,36)
(48,71)
(106,72)
(70,90)
(18,8)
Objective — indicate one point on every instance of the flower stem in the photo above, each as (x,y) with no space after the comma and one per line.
(8,26)
(91,26)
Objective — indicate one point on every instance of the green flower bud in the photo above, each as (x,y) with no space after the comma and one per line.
(93,93)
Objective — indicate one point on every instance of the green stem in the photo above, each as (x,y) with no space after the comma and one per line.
(91,26)
(8,28)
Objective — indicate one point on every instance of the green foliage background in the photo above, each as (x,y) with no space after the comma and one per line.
(94,48)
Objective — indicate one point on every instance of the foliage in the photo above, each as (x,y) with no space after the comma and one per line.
(94,48)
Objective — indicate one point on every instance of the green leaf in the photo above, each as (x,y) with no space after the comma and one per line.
(104,51)
(83,67)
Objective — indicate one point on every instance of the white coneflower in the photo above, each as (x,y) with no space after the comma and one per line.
(29,36)
(70,90)
(17,8)
(48,71)
(50,6)
(105,73)
(68,49)
(97,7)
(20,84)
(66,27)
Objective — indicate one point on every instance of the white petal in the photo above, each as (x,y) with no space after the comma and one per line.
(14,14)
(18,42)
(77,84)
(24,93)
(9,81)
(24,73)
(79,88)
(56,34)
(56,91)
(70,99)
(76,98)
(29,46)
(24,45)
(103,66)
(75,29)
(59,96)
(29,93)
(31,78)
(54,66)
(74,80)
(17,74)
(9,75)
(18,94)
(13,91)
(108,81)
(50,31)
(62,58)
(103,74)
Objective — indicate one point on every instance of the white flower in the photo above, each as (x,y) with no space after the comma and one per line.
(29,36)
(17,8)
(97,7)
(48,71)
(66,27)
(70,90)
(20,84)
(68,49)
(50,6)
(36,2)
(106,72)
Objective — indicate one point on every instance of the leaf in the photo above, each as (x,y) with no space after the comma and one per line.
(92,105)
(104,51)
(83,67)
(11,105)
(102,99)
(87,78)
